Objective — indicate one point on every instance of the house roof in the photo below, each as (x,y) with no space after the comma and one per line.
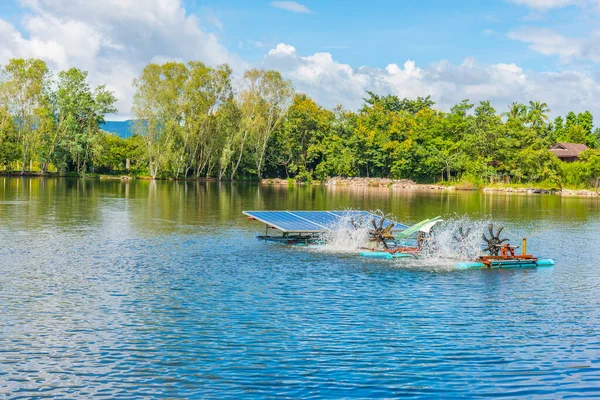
(568,149)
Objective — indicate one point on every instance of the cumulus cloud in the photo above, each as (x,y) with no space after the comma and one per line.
(112,39)
(115,39)
(291,6)
(332,83)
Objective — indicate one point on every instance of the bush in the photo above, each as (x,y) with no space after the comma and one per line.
(468,182)
(304,177)
(573,174)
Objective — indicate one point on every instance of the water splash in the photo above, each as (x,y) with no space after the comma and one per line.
(448,244)
(348,236)
(457,238)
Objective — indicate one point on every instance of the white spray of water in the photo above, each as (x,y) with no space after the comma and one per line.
(453,240)
(457,238)
(347,236)
(445,245)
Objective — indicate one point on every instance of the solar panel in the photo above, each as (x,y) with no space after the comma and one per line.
(316,221)
(286,221)
(366,217)
(324,218)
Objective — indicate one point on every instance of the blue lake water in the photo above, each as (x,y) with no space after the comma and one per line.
(159,289)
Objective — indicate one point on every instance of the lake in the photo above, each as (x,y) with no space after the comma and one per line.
(160,289)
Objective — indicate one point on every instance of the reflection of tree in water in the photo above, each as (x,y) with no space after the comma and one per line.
(158,207)
(64,203)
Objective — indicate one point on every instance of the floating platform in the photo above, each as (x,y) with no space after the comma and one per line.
(385,255)
(507,264)
(306,228)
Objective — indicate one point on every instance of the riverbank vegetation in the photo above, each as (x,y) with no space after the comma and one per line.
(194,121)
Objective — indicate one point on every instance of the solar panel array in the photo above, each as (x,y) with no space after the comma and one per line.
(316,221)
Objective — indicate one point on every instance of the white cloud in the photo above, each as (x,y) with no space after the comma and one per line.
(545,4)
(291,6)
(115,39)
(332,83)
(548,42)
(112,39)
(282,49)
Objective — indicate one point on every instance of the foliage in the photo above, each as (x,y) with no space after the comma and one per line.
(190,122)
(79,112)
(25,97)
(590,166)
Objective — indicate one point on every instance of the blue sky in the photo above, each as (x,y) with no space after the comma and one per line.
(379,32)
(501,50)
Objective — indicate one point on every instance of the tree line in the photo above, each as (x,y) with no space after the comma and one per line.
(194,121)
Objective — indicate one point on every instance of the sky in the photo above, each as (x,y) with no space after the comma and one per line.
(497,50)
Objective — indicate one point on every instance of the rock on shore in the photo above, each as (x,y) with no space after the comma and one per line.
(366,182)
(407,184)
(564,192)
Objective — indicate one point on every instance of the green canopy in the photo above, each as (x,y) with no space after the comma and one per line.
(408,232)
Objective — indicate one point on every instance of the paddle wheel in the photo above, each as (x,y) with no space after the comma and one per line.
(502,254)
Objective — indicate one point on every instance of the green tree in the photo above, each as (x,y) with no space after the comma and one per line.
(578,134)
(26,88)
(305,124)
(229,117)
(80,111)
(114,153)
(517,112)
(158,111)
(335,154)
(586,121)
(265,101)
(571,120)
(590,160)
(394,104)
(9,147)
(538,113)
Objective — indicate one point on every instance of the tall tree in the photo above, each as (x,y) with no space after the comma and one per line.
(80,111)
(591,166)
(158,112)
(9,147)
(586,121)
(178,112)
(268,96)
(571,120)
(538,113)
(26,86)
(305,123)
(517,112)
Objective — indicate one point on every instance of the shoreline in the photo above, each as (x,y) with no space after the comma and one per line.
(397,184)
(405,184)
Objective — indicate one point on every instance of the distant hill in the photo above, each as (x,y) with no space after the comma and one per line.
(123,129)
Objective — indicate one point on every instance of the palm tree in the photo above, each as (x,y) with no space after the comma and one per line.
(538,113)
(516,111)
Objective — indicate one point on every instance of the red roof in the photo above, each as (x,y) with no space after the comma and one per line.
(565,150)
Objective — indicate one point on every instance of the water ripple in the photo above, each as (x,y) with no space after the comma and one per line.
(110,310)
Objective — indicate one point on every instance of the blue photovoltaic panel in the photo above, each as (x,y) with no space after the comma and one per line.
(323,218)
(315,221)
(367,217)
(285,221)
